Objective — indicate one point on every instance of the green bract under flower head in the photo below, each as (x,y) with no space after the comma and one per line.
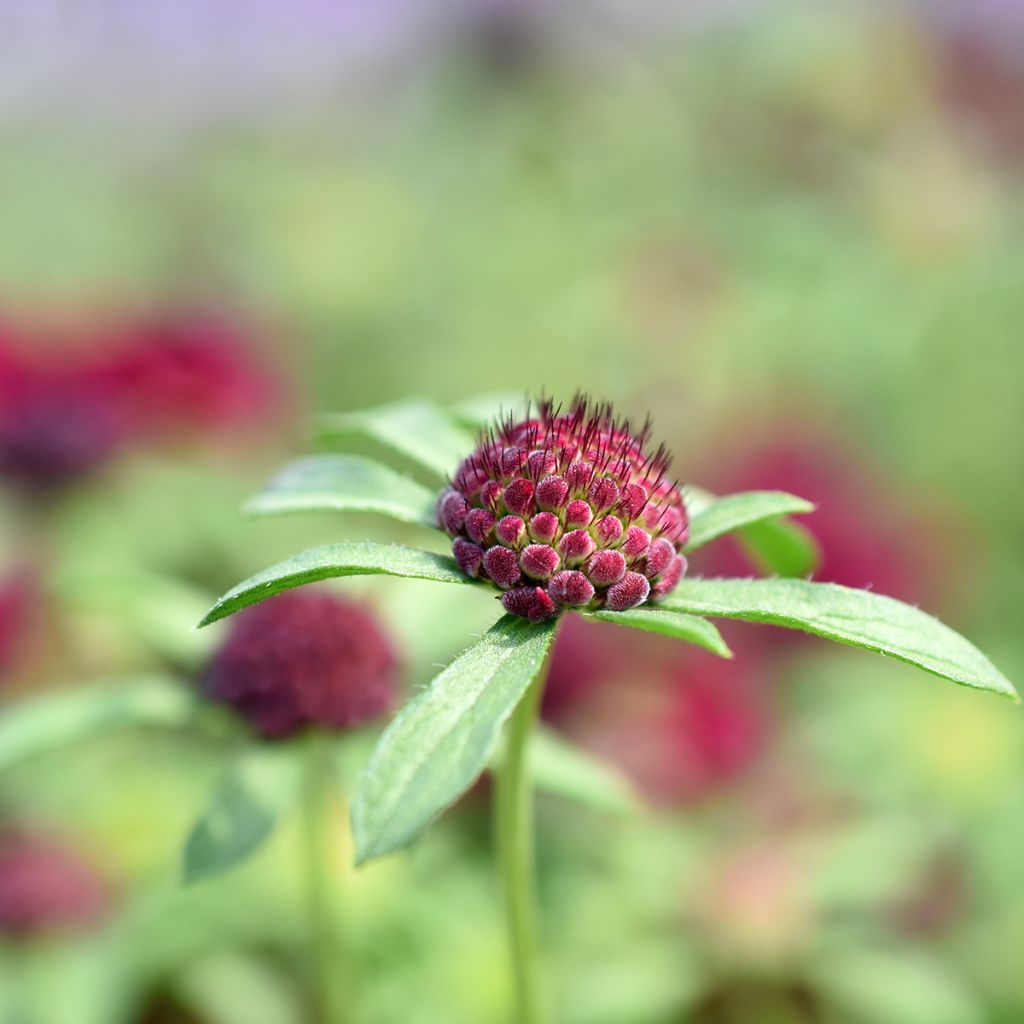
(567,510)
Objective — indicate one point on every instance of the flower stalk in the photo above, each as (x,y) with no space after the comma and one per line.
(327,961)
(513,825)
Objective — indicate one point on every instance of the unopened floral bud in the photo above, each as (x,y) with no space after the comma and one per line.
(567,510)
(533,603)
(544,527)
(603,493)
(632,501)
(552,493)
(606,568)
(469,556)
(491,494)
(512,460)
(576,546)
(608,530)
(307,658)
(630,591)
(539,561)
(451,511)
(659,556)
(670,577)
(577,513)
(479,524)
(510,530)
(542,463)
(637,541)
(519,497)
(572,589)
(502,566)
(578,476)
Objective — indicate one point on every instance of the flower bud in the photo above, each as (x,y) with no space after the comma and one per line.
(608,530)
(307,658)
(606,568)
(559,510)
(502,566)
(519,497)
(552,493)
(539,561)
(544,527)
(571,589)
(510,531)
(577,513)
(630,591)
(479,524)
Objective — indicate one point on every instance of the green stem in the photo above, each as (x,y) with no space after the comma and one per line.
(318,814)
(513,825)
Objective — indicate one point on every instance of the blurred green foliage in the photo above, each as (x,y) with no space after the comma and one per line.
(776,217)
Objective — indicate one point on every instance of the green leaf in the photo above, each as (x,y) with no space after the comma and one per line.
(856,617)
(416,429)
(735,511)
(437,746)
(345,483)
(40,725)
(562,769)
(780,547)
(362,558)
(776,546)
(242,812)
(656,619)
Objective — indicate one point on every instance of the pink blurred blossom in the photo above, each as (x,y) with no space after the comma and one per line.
(46,886)
(681,722)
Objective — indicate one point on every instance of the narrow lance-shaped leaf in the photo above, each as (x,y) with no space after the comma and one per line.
(352,559)
(440,742)
(654,619)
(857,617)
(558,767)
(724,515)
(41,725)
(417,429)
(344,483)
(242,813)
(780,547)
(777,546)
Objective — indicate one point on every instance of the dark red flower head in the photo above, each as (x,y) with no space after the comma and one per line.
(186,371)
(567,510)
(46,886)
(57,422)
(305,658)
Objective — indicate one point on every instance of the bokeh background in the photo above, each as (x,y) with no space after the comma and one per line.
(792,231)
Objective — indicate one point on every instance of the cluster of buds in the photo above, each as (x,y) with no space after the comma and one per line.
(301,659)
(567,510)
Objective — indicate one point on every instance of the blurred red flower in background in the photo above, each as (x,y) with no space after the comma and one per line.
(67,409)
(184,371)
(681,722)
(305,658)
(18,595)
(56,424)
(870,535)
(46,885)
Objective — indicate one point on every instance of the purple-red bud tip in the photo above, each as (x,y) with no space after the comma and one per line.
(630,591)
